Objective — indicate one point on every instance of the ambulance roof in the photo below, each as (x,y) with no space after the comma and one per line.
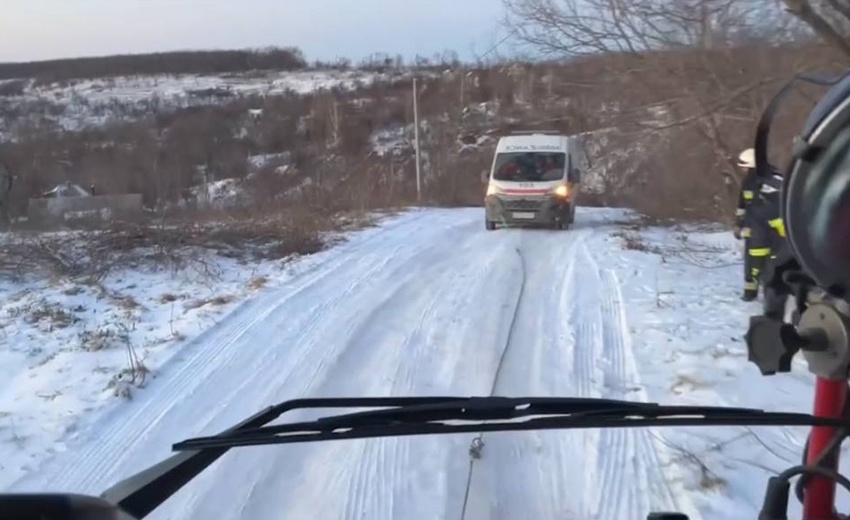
(532,143)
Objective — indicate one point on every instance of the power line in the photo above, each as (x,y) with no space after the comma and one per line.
(500,42)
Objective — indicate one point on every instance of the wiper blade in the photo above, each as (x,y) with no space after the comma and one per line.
(485,408)
(482,414)
(402,416)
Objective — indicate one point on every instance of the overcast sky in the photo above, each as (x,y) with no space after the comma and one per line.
(323,29)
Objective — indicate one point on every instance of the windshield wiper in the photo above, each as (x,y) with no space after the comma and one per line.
(482,414)
(402,416)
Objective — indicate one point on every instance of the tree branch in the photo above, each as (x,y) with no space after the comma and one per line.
(803,10)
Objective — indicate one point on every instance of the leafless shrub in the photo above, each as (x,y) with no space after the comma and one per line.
(102,339)
(635,242)
(52,314)
(136,372)
(709,480)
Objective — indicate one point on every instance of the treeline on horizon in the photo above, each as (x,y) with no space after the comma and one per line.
(176,62)
(209,62)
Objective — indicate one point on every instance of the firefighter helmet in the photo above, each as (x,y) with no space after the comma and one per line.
(747,158)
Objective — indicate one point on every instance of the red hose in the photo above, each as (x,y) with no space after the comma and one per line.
(819,502)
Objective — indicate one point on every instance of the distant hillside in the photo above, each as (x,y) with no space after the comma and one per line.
(663,129)
(184,62)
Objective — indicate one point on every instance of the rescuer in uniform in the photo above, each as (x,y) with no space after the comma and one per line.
(759,222)
(749,186)
(768,214)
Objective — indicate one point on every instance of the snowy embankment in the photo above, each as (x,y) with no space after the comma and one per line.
(422,305)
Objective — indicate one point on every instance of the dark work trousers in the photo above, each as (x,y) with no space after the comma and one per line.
(758,251)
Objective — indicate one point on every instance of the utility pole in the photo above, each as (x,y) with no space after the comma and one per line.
(6,181)
(416,139)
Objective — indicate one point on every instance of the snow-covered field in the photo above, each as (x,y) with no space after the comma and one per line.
(175,87)
(78,104)
(421,305)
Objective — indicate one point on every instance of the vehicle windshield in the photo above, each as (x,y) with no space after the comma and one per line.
(529,166)
(227,207)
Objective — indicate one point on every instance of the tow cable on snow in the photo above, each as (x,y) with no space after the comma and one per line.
(476,448)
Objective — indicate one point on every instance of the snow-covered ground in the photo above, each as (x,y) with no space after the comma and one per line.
(71,348)
(180,86)
(79,104)
(421,305)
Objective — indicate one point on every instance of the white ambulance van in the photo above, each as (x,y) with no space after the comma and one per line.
(535,179)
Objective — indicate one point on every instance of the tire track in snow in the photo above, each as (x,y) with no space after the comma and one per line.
(387,351)
(571,321)
(635,481)
(480,275)
(583,347)
(587,326)
(395,368)
(391,467)
(116,443)
(538,474)
(585,318)
(372,457)
(203,356)
(542,481)
(612,452)
(356,355)
(505,351)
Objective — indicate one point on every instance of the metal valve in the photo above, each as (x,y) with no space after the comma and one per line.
(828,325)
(822,335)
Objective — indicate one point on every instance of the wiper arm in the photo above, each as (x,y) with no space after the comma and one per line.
(481,414)
(401,416)
(143,492)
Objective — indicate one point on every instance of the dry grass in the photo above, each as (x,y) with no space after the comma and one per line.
(101,339)
(258,282)
(42,311)
(214,300)
(177,244)
(168,298)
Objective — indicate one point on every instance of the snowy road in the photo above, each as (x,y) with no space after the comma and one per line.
(427,305)
(569,338)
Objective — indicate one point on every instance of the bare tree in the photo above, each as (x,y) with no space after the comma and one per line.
(829,19)
(585,27)
(696,73)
